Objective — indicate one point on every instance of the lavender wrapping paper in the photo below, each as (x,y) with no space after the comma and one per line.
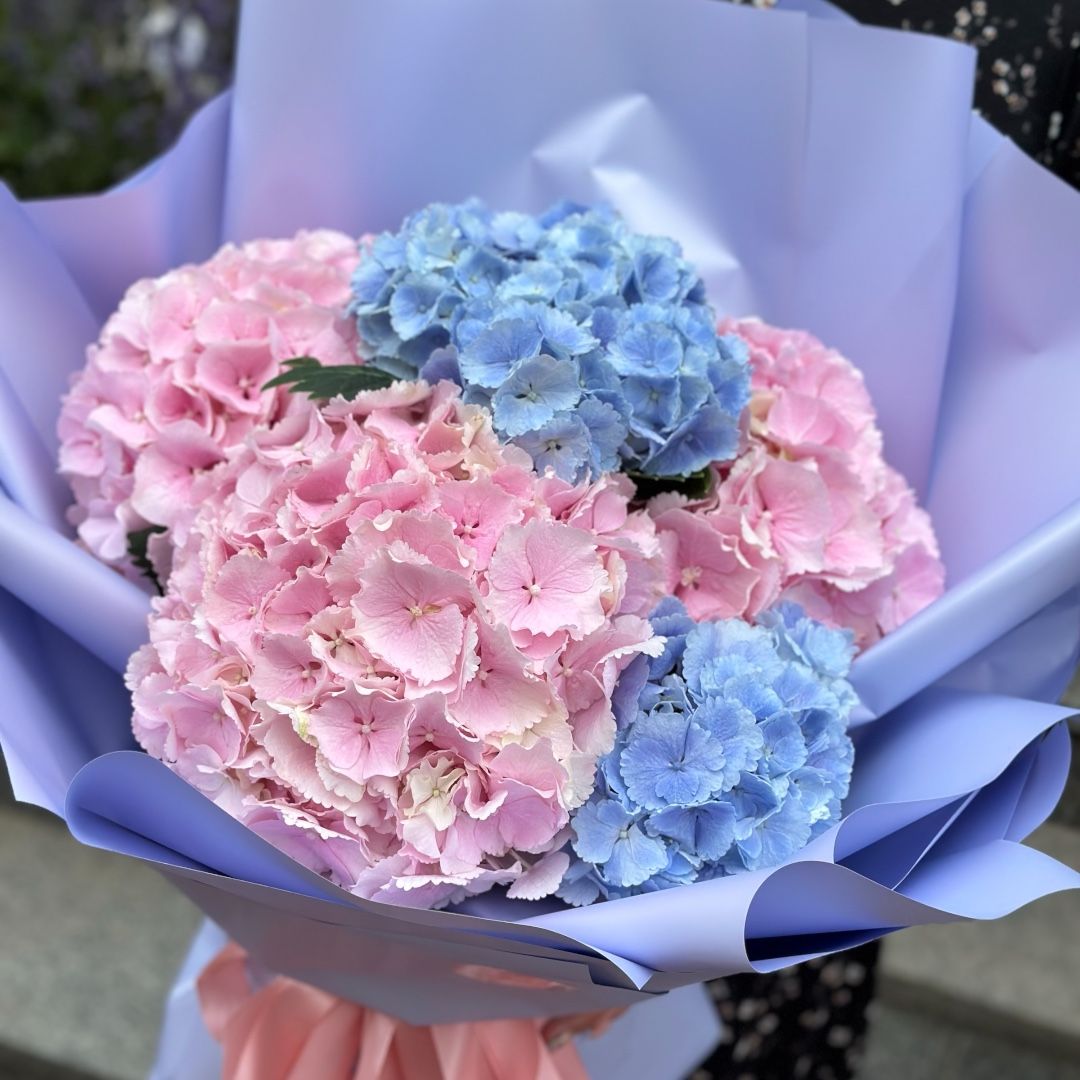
(820,174)
(662,1040)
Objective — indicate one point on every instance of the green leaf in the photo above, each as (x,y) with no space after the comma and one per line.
(306,375)
(695,486)
(137,543)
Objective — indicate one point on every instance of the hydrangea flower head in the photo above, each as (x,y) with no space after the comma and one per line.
(809,510)
(389,646)
(593,344)
(732,753)
(175,381)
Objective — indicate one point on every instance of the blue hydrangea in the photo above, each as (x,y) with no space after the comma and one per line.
(732,753)
(593,345)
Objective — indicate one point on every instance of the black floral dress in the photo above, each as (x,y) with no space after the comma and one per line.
(803,1023)
(810,1021)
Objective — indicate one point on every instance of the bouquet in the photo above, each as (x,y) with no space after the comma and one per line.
(429,637)
(524,604)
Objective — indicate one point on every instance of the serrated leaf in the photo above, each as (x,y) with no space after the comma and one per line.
(695,486)
(137,545)
(306,375)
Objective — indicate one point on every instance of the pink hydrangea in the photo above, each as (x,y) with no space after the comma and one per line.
(809,510)
(175,379)
(389,647)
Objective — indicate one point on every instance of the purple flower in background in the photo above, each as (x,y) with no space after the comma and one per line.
(92,89)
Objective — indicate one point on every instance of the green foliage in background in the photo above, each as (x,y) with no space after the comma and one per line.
(92,89)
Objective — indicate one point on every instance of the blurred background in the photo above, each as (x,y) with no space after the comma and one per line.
(90,90)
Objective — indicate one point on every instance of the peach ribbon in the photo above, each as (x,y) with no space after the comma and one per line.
(291,1031)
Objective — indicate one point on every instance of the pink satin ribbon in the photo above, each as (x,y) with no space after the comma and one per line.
(291,1031)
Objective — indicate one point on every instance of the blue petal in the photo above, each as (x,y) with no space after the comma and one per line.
(734,727)
(693,394)
(441,364)
(635,858)
(706,831)
(563,336)
(489,358)
(370,282)
(697,323)
(829,652)
(377,332)
(388,250)
(669,761)
(670,621)
(798,688)
(778,837)
(649,349)
(644,764)
(562,445)
(816,790)
(607,432)
(582,888)
(480,272)
(535,391)
(536,283)
(729,374)
(597,826)
(605,323)
(415,354)
(414,306)
(717,651)
(710,435)
(653,401)
(560,211)
(627,693)
(754,799)
(516,232)
(657,275)
(785,747)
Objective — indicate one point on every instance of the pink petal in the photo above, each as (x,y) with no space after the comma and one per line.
(480,512)
(503,696)
(285,670)
(544,578)
(362,735)
(295,604)
(542,878)
(717,573)
(797,504)
(238,593)
(411,616)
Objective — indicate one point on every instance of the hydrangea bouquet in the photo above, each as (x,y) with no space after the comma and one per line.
(518,607)
(425,633)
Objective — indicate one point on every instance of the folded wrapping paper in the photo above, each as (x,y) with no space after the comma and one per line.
(662,1040)
(822,174)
